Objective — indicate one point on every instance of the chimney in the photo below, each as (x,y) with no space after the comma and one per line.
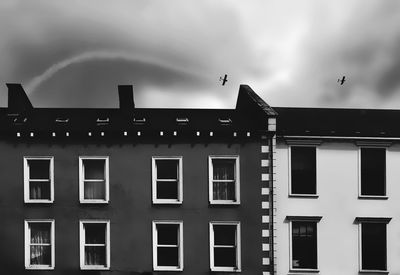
(18,101)
(126,103)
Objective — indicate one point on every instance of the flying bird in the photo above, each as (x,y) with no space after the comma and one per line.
(341,80)
(224,80)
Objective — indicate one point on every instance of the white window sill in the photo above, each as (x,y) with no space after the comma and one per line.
(167,268)
(39,201)
(225,269)
(311,196)
(39,267)
(166,202)
(374,271)
(367,197)
(224,202)
(94,201)
(303,270)
(95,267)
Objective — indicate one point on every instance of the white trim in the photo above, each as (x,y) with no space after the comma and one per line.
(236,180)
(27,244)
(294,269)
(81,179)
(385,196)
(83,266)
(236,268)
(291,194)
(179,199)
(27,179)
(343,137)
(156,267)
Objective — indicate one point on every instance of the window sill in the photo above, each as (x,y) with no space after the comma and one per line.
(94,201)
(94,267)
(223,202)
(39,201)
(303,270)
(225,269)
(310,196)
(373,271)
(167,202)
(39,267)
(365,197)
(167,268)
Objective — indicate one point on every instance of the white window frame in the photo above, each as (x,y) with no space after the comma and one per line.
(83,242)
(385,196)
(155,246)
(238,249)
(82,179)
(316,220)
(360,221)
(237,180)
(179,200)
(27,179)
(28,244)
(291,194)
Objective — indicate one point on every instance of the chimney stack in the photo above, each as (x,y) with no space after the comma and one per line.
(18,101)
(126,102)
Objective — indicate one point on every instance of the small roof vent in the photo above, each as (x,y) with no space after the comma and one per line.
(139,120)
(18,120)
(62,120)
(225,121)
(182,120)
(102,121)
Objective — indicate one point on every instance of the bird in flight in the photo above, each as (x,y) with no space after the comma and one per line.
(224,79)
(341,80)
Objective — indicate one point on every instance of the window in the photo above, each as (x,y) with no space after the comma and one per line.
(303,243)
(39,244)
(93,179)
(224,185)
(225,246)
(168,245)
(38,179)
(373,172)
(167,179)
(95,244)
(303,171)
(372,234)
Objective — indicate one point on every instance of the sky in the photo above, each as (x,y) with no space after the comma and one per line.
(74,53)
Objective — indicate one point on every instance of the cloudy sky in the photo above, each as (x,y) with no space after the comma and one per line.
(75,53)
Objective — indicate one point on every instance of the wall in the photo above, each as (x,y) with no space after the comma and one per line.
(130,208)
(338,204)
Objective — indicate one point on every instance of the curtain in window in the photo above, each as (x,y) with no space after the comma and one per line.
(94,190)
(95,255)
(94,185)
(223,180)
(39,190)
(40,250)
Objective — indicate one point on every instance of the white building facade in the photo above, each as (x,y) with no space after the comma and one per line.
(336,192)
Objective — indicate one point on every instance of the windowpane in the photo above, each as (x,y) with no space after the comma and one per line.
(224,190)
(167,190)
(303,170)
(95,255)
(167,169)
(39,168)
(373,246)
(95,233)
(224,234)
(168,256)
(94,169)
(94,190)
(223,169)
(39,190)
(373,166)
(167,234)
(304,244)
(225,256)
(40,255)
(40,233)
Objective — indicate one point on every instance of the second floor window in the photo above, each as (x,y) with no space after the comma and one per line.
(167,179)
(93,179)
(38,179)
(224,180)
(373,172)
(303,171)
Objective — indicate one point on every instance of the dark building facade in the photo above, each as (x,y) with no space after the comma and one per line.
(136,190)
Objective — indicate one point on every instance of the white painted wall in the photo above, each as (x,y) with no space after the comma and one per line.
(338,204)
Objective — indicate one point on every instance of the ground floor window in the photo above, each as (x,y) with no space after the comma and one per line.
(39,244)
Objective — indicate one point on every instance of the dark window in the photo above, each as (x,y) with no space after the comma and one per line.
(95,244)
(40,244)
(303,170)
(225,245)
(224,179)
(39,179)
(94,179)
(304,244)
(373,174)
(167,178)
(168,245)
(373,246)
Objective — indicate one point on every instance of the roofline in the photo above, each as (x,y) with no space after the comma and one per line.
(340,137)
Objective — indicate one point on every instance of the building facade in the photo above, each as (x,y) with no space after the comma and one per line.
(136,190)
(337,194)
